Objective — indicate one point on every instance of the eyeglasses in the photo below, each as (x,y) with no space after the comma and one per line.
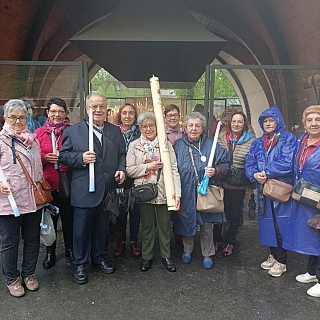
(57,111)
(95,108)
(14,118)
(172,115)
(149,126)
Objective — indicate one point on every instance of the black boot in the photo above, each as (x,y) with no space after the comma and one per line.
(68,254)
(50,259)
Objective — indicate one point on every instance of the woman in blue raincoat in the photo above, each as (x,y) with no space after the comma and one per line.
(300,237)
(186,221)
(271,156)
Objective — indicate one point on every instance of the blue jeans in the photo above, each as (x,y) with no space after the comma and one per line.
(10,228)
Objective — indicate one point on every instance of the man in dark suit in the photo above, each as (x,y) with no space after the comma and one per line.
(90,222)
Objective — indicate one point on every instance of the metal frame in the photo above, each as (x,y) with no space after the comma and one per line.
(83,74)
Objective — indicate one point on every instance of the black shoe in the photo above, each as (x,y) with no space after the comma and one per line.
(169,264)
(145,265)
(80,275)
(50,259)
(105,267)
(68,254)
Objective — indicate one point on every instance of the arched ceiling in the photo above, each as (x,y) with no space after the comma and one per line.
(268,32)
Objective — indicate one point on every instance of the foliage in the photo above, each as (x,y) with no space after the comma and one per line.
(105,84)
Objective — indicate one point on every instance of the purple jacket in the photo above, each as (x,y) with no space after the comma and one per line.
(21,189)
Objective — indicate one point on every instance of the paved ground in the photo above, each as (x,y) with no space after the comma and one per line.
(236,288)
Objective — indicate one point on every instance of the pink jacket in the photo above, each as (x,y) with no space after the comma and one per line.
(21,189)
(50,173)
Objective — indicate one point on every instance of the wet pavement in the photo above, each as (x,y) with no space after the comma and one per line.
(235,288)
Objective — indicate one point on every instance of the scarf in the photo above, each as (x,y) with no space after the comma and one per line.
(231,142)
(127,135)
(174,134)
(25,135)
(149,154)
(270,143)
(57,128)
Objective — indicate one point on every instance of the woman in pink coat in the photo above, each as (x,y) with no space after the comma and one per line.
(15,138)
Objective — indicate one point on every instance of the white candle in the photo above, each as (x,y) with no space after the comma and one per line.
(214,145)
(91,165)
(10,196)
(162,138)
(54,149)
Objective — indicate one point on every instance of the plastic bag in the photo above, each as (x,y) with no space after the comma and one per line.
(47,233)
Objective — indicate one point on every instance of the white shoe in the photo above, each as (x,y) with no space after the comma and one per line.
(277,270)
(268,264)
(314,291)
(306,278)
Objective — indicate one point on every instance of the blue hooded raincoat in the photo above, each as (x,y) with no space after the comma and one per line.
(300,237)
(278,164)
(188,218)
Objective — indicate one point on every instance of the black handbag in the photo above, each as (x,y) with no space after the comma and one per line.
(64,185)
(145,192)
(307,194)
(237,177)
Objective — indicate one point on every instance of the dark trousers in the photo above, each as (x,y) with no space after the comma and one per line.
(10,228)
(278,253)
(90,235)
(233,205)
(314,266)
(147,213)
(66,214)
(134,221)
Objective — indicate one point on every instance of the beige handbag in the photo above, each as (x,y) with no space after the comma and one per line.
(277,190)
(213,201)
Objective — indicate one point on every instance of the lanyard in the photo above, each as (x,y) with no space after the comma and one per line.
(29,150)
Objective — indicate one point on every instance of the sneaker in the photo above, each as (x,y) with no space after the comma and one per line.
(268,264)
(207,263)
(135,249)
(186,257)
(277,269)
(227,251)
(16,289)
(31,283)
(314,291)
(306,278)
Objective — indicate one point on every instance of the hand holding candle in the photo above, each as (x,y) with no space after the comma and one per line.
(205,181)
(10,196)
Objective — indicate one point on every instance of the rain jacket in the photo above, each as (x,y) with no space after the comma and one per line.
(300,237)
(277,164)
(188,218)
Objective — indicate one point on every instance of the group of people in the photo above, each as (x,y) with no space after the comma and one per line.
(129,154)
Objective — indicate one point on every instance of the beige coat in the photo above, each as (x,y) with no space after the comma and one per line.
(136,169)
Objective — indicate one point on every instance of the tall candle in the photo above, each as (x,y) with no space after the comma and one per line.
(10,196)
(54,148)
(214,145)
(91,165)
(162,138)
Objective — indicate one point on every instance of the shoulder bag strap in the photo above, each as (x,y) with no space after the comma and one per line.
(193,164)
(24,170)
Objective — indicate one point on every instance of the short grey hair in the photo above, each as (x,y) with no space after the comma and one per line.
(14,104)
(195,115)
(95,94)
(145,116)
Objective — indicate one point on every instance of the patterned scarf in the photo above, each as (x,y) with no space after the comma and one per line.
(57,128)
(25,135)
(149,154)
(231,142)
(174,134)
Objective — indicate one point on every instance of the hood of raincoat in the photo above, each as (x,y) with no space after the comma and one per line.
(275,113)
